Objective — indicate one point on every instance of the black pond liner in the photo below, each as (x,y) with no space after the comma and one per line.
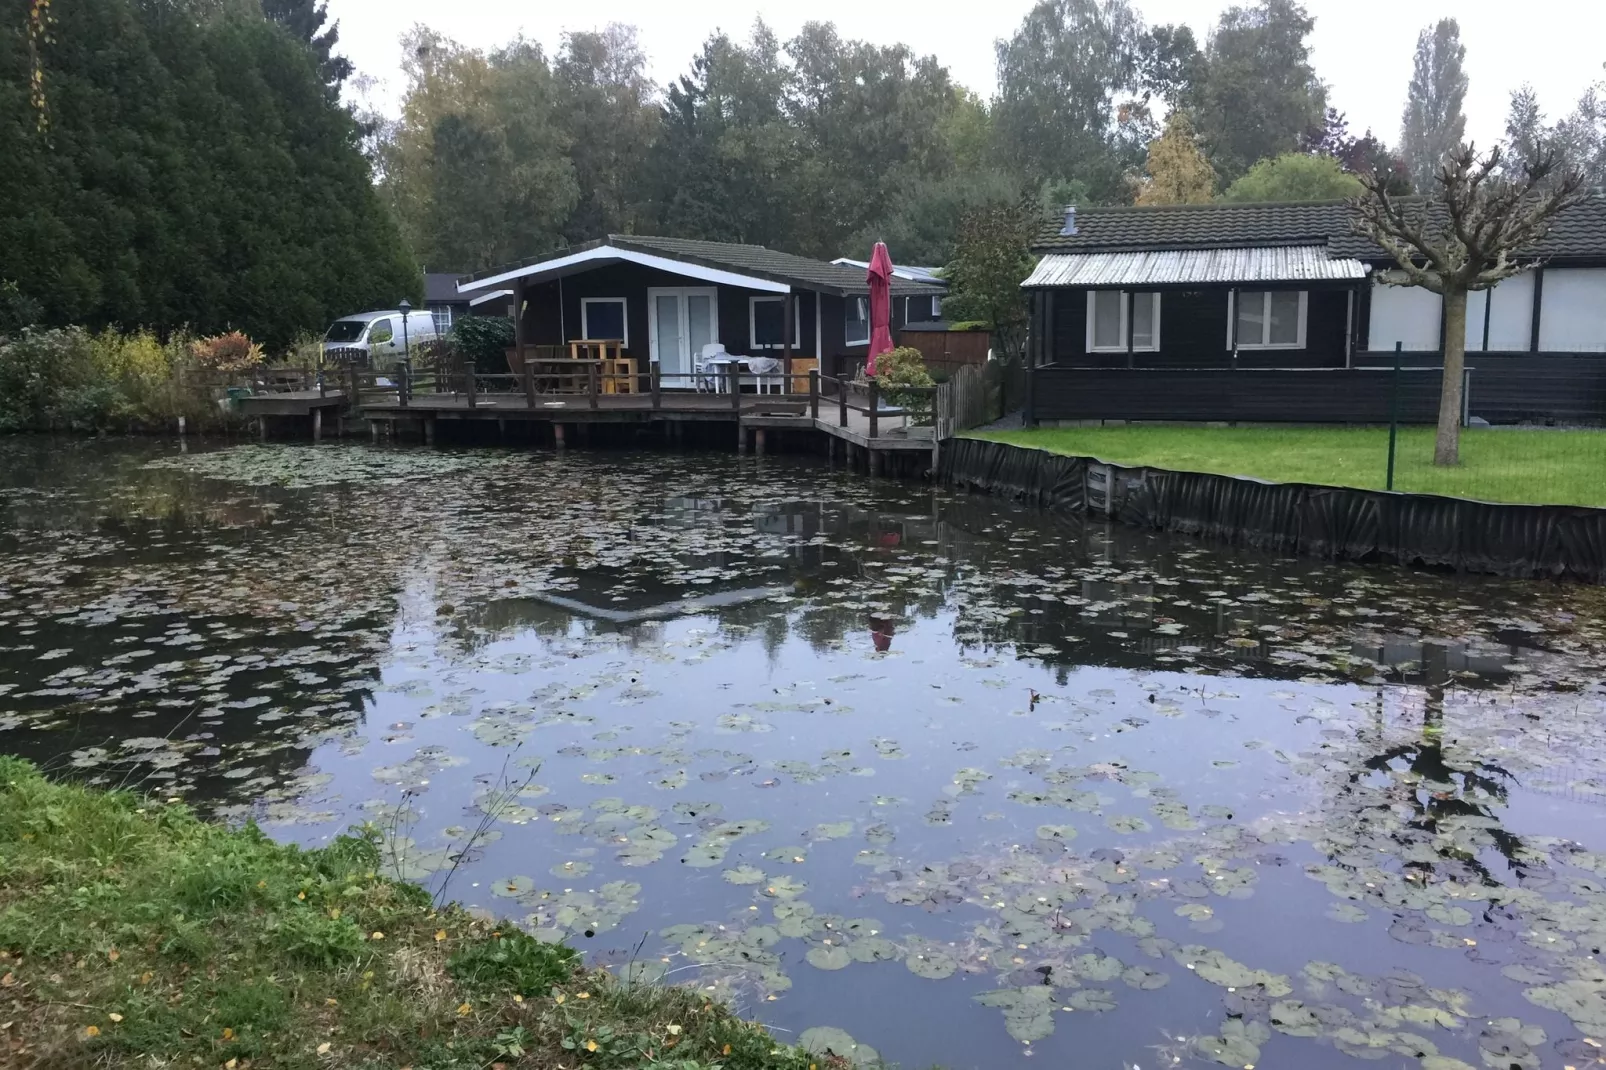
(1336,523)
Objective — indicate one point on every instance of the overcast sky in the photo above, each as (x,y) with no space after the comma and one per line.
(1362,47)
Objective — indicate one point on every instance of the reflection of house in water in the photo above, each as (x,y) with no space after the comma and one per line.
(1118,604)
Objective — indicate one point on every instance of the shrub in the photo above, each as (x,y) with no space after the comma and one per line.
(905,368)
(514,962)
(232,352)
(483,339)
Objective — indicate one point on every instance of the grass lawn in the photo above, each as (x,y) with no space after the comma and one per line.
(1497,464)
(133,934)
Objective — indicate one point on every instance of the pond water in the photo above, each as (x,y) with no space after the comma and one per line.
(974,784)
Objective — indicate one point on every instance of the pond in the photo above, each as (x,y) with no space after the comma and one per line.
(978,786)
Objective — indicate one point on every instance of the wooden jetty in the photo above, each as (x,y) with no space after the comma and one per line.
(845,419)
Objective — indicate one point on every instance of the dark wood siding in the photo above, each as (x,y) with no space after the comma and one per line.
(1193,334)
(546,324)
(1503,388)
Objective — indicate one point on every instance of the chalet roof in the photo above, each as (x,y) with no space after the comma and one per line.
(754,266)
(440,287)
(1578,233)
(1173,267)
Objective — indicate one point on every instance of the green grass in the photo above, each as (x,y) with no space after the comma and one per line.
(133,934)
(1497,464)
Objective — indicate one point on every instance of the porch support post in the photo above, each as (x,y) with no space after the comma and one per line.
(788,325)
(557,436)
(758,441)
(317,424)
(518,323)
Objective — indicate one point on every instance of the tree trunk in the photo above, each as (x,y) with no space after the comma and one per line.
(1447,446)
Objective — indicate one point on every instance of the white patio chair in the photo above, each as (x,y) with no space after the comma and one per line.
(707,374)
(767,374)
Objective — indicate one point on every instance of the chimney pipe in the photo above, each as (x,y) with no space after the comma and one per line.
(1070,221)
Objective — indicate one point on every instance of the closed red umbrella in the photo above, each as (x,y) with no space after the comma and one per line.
(880,279)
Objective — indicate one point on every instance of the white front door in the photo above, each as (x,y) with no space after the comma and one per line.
(684,319)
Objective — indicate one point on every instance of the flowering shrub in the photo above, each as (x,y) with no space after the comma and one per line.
(232,352)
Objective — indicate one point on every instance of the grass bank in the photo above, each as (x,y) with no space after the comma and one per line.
(1497,464)
(134,934)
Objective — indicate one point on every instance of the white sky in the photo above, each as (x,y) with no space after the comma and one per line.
(1362,48)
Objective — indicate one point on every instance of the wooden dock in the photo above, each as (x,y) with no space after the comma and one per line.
(850,420)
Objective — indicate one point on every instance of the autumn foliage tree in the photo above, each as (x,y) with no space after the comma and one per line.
(1466,235)
(1178,172)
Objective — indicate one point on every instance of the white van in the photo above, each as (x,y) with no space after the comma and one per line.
(377,339)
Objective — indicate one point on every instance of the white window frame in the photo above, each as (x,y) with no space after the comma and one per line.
(752,323)
(936,307)
(439,313)
(585,317)
(1265,320)
(867,329)
(1126,327)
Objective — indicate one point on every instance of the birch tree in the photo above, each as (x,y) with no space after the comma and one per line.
(1466,235)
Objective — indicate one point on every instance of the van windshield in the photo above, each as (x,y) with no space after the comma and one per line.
(345,330)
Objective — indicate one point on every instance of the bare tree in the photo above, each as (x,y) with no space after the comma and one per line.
(1463,236)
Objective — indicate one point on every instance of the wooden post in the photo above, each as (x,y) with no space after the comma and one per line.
(470,383)
(873,460)
(591,385)
(317,423)
(404,381)
(788,320)
(735,383)
(875,406)
(1029,406)
(529,384)
(262,428)
(353,388)
(814,393)
(655,384)
(842,403)
(518,323)
(758,441)
(429,430)
(501,428)
(741,438)
(557,435)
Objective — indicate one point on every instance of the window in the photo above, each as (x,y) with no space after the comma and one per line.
(856,321)
(602,319)
(1108,326)
(381,331)
(443,319)
(766,320)
(1270,319)
(936,308)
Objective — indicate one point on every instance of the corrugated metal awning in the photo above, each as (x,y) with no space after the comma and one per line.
(1275,263)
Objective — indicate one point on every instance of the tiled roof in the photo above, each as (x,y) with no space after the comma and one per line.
(1170,267)
(767,263)
(1580,232)
(440,287)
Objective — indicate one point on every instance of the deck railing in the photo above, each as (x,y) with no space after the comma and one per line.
(916,404)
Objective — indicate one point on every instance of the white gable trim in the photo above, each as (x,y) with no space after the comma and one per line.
(613,252)
(492,296)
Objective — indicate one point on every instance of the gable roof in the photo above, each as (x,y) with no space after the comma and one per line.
(1578,233)
(440,287)
(751,266)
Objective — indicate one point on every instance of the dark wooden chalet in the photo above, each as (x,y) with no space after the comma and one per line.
(1275,312)
(667,298)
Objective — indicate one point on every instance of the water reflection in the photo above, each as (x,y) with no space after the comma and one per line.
(969,781)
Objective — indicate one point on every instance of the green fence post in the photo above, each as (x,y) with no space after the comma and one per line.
(1394,413)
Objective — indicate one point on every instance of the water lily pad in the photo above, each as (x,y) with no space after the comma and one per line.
(825,1040)
(743,875)
(784,888)
(831,957)
(1126,823)
(1062,833)
(513,887)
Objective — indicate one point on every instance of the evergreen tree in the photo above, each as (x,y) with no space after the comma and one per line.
(1582,135)
(1260,96)
(1177,171)
(1433,125)
(196,172)
(308,20)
